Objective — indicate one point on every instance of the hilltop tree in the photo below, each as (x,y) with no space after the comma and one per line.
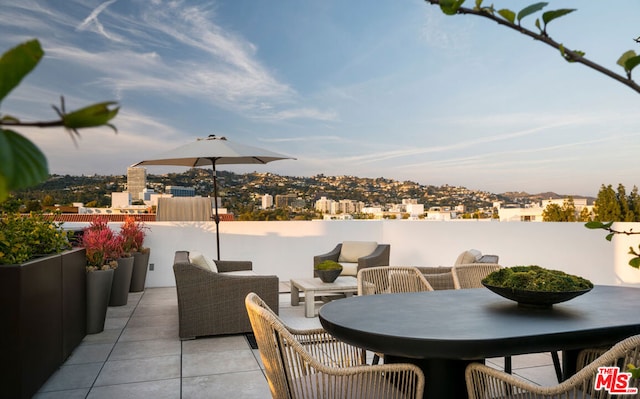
(556,213)
(606,207)
(585,215)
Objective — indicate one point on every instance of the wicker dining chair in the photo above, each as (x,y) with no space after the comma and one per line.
(313,364)
(484,382)
(391,279)
(470,275)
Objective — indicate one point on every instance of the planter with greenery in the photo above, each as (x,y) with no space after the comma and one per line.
(132,232)
(328,270)
(100,244)
(42,294)
(536,287)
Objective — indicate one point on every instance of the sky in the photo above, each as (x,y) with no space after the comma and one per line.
(391,88)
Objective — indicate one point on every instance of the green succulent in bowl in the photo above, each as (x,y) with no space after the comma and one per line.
(536,278)
(328,265)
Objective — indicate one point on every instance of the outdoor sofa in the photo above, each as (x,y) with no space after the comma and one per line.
(211,294)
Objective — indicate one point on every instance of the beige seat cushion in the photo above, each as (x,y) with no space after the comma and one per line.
(202,261)
(349,269)
(352,250)
(240,273)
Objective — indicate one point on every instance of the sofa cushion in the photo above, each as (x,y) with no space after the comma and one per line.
(202,261)
(352,250)
(470,256)
(240,273)
(349,269)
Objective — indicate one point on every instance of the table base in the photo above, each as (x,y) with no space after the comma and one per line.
(442,376)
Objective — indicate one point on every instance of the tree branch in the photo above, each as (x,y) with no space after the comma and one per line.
(569,55)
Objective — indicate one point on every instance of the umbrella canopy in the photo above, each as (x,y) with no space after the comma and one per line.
(213,151)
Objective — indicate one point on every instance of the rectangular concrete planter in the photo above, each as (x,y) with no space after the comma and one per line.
(42,311)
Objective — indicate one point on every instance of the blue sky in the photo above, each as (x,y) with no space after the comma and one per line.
(391,88)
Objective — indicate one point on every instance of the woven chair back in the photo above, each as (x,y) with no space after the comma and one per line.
(471,275)
(391,279)
(484,382)
(303,364)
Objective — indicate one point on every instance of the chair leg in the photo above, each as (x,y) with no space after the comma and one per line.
(507,364)
(556,365)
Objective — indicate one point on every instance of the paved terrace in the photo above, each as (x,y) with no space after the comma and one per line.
(139,355)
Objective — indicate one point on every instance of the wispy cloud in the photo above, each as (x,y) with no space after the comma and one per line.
(92,20)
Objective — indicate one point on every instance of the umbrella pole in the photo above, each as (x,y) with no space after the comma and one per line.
(216,218)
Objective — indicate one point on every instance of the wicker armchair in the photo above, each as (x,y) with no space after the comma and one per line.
(485,382)
(439,277)
(378,257)
(313,364)
(211,303)
(470,275)
(391,279)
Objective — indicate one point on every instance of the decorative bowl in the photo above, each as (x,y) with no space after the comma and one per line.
(535,299)
(329,276)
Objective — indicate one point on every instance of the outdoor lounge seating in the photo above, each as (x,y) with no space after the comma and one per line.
(486,382)
(211,302)
(313,364)
(356,255)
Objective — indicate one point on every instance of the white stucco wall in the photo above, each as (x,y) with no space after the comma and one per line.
(287,248)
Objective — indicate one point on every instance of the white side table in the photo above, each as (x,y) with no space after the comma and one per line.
(313,287)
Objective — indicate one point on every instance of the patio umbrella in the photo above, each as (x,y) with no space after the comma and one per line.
(214,151)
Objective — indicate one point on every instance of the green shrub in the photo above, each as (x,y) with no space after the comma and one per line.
(26,237)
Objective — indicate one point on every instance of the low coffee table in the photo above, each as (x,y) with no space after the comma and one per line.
(312,287)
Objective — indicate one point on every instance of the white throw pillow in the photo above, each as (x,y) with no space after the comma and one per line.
(352,250)
(470,256)
(202,261)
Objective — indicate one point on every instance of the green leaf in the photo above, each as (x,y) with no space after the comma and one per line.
(551,15)
(23,164)
(538,24)
(508,15)
(626,56)
(631,63)
(530,10)
(90,116)
(16,63)
(598,225)
(609,236)
(450,7)
(635,262)
(478,4)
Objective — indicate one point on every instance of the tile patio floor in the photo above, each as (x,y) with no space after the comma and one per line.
(139,355)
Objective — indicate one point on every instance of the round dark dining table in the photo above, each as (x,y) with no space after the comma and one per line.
(443,331)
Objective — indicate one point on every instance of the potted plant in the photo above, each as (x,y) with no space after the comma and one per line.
(42,289)
(122,274)
(132,232)
(99,242)
(535,286)
(328,270)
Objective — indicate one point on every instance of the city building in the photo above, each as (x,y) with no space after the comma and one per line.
(180,191)
(267,201)
(136,182)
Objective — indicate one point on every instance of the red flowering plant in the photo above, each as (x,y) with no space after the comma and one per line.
(132,235)
(102,245)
